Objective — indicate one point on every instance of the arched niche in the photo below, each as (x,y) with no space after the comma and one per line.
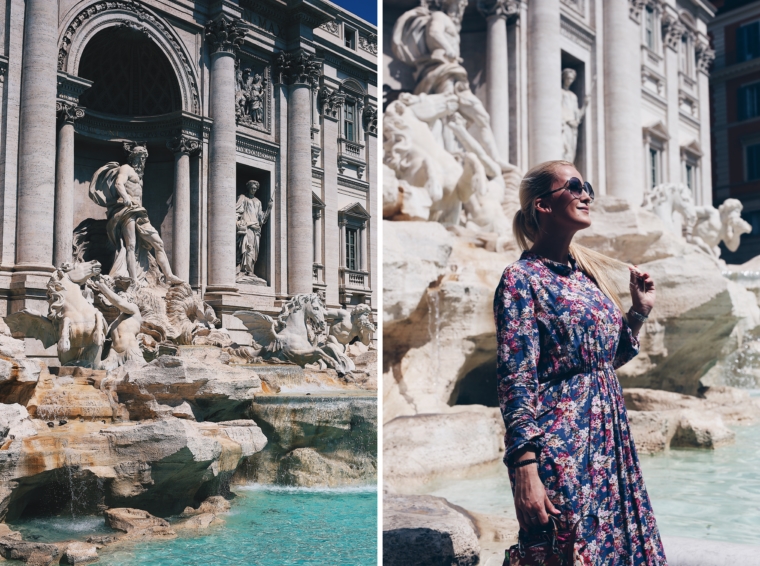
(91,18)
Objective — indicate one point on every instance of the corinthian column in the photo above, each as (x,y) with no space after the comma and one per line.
(183,147)
(224,36)
(544,82)
(300,70)
(64,181)
(36,151)
(496,13)
(622,102)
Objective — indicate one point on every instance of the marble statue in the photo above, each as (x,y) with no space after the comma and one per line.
(123,332)
(292,336)
(414,152)
(674,204)
(427,38)
(720,224)
(73,323)
(250,219)
(190,317)
(347,325)
(119,189)
(572,116)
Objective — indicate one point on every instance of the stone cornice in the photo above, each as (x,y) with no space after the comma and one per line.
(736,70)
(71,87)
(352,183)
(153,128)
(576,32)
(257,148)
(224,34)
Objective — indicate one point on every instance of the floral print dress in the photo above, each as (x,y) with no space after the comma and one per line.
(560,340)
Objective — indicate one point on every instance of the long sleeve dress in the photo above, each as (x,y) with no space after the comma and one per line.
(560,340)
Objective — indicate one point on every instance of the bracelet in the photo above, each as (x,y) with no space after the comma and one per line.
(522,463)
(637,315)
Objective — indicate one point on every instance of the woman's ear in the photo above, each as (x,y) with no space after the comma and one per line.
(543,204)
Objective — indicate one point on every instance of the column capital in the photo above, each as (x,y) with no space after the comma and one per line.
(184,144)
(224,34)
(331,101)
(370,119)
(673,29)
(299,67)
(68,111)
(499,8)
(705,56)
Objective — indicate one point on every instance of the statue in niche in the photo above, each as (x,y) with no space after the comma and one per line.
(250,219)
(572,115)
(427,38)
(250,96)
(119,189)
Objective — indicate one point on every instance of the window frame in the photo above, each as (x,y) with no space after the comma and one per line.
(650,35)
(739,52)
(743,103)
(349,122)
(349,38)
(753,144)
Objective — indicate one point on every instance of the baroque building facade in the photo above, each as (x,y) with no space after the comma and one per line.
(620,87)
(219,94)
(735,92)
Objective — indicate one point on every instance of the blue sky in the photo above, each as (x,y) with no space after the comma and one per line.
(365,9)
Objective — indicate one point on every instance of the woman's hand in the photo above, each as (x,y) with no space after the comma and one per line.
(642,291)
(531,502)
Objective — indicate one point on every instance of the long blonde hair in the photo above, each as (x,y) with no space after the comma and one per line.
(537,182)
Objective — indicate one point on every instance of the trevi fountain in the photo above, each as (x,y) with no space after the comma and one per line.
(459,130)
(187,346)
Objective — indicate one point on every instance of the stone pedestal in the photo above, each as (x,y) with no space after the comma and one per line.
(622,109)
(182,147)
(544,81)
(36,159)
(224,36)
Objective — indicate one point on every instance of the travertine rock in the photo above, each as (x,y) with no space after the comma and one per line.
(214,504)
(419,448)
(31,553)
(79,553)
(138,524)
(698,429)
(421,530)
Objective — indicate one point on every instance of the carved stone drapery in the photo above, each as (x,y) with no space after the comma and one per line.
(370,119)
(184,144)
(500,8)
(68,111)
(299,67)
(331,101)
(224,34)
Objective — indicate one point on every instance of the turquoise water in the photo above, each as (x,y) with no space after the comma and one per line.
(700,494)
(267,526)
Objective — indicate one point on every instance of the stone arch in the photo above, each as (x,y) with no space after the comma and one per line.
(95,17)
(354,86)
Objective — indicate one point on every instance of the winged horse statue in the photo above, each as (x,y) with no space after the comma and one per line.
(293,336)
(73,322)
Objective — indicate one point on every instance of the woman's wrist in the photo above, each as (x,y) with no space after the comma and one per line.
(641,310)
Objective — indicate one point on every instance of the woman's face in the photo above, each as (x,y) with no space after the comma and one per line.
(561,210)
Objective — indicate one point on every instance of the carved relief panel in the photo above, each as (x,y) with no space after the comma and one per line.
(253,94)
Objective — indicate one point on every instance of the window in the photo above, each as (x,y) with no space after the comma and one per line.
(654,167)
(752,160)
(350,121)
(689,176)
(352,251)
(649,28)
(749,101)
(748,42)
(684,61)
(349,37)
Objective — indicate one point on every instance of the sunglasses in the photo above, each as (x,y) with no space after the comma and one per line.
(575,188)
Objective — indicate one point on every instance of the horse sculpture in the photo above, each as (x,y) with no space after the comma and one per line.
(669,198)
(292,336)
(73,322)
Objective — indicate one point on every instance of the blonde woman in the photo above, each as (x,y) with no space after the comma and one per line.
(561,334)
